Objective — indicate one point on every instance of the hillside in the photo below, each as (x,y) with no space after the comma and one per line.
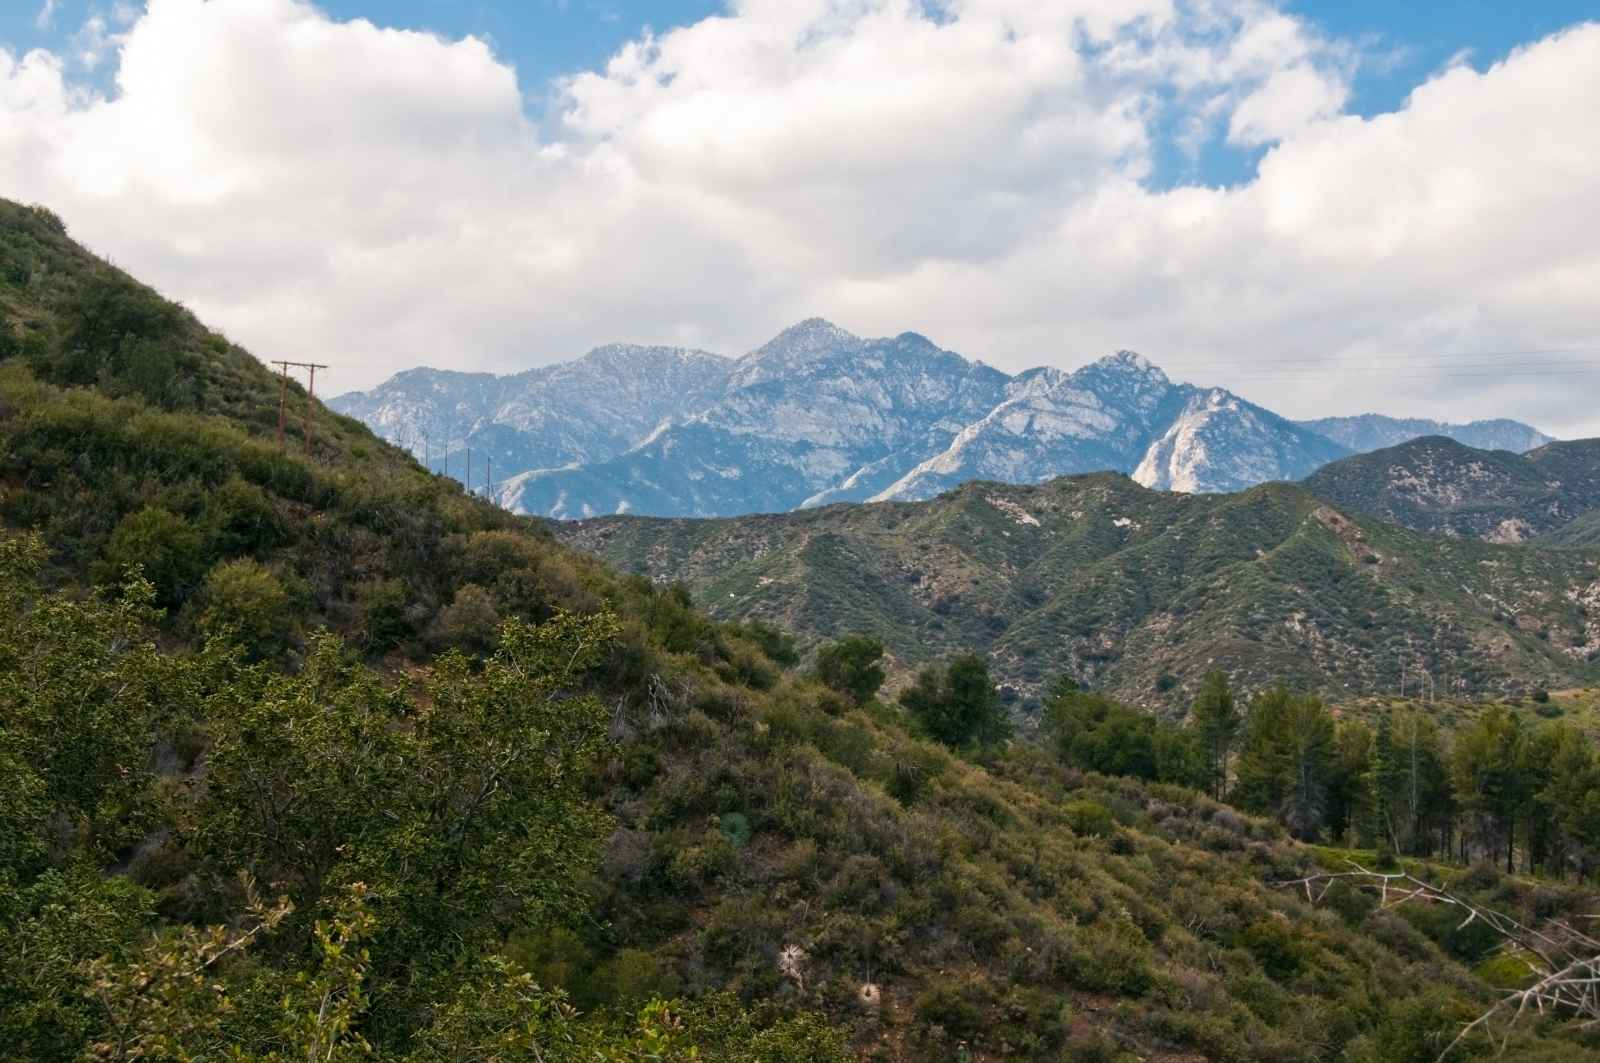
(1438,485)
(130,433)
(1585,531)
(607,828)
(1119,586)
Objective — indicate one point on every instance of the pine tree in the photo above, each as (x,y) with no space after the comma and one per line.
(1486,769)
(1382,781)
(1422,797)
(1286,760)
(1216,716)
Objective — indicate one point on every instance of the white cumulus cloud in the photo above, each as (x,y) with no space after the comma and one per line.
(978,170)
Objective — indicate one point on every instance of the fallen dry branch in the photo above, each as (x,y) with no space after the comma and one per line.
(1566,961)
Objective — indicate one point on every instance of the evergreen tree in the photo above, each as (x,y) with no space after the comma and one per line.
(852,666)
(1486,769)
(1286,760)
(1423,798)
(1095,733)
(1541,826)
(1350,811)
(1216,717)
(957,704)
(1571,799)
(1383,781)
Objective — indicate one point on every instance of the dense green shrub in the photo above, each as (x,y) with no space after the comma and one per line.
(1089,818)
(469,622)
(957,704)
(384,606)
(852,666)
(165,546)
(246,601)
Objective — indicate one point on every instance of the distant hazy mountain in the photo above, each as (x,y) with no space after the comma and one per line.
(1437,485)
(819,415)
(582,411)
(816,411)
(1371,431)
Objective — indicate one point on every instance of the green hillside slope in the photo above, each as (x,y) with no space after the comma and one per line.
(1585,531)
(1437,485)
(1118,586)
(518,806)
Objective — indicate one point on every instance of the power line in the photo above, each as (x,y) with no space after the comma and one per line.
(1449,356)
(1409,373)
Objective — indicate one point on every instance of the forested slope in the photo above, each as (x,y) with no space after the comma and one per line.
(321,758)
(1139,592)
(1585,531)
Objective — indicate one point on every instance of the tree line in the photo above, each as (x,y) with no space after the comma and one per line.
(1497,789)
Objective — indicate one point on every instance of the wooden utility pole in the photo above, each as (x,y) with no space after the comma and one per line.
(311,397)
(283,397)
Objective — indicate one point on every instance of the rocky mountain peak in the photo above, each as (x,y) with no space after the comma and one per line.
(1128,362)
(819,415)
(623,355)
(796,346)
(811,337)
(1124,373)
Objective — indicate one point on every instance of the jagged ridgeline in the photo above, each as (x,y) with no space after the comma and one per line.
(818,415)
(1439,485)
(363,767)
(1140,592)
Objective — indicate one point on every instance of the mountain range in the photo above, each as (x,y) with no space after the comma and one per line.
(1438,485)
(818,415)
(1140,592)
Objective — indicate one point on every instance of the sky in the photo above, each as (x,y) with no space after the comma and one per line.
(1329,207)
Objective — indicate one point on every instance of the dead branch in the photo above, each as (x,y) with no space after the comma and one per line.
(1566,961)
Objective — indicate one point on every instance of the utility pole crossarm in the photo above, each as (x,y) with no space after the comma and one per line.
(283,395)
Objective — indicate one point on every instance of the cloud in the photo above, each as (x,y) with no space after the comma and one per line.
(94,42)
(46,15)
(977,170)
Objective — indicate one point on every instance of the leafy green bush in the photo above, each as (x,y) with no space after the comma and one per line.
(164,545)
(957,704)
(1274,947)
(470,622)
(1089,818)
(383,604)
(852,666)
(245,599)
